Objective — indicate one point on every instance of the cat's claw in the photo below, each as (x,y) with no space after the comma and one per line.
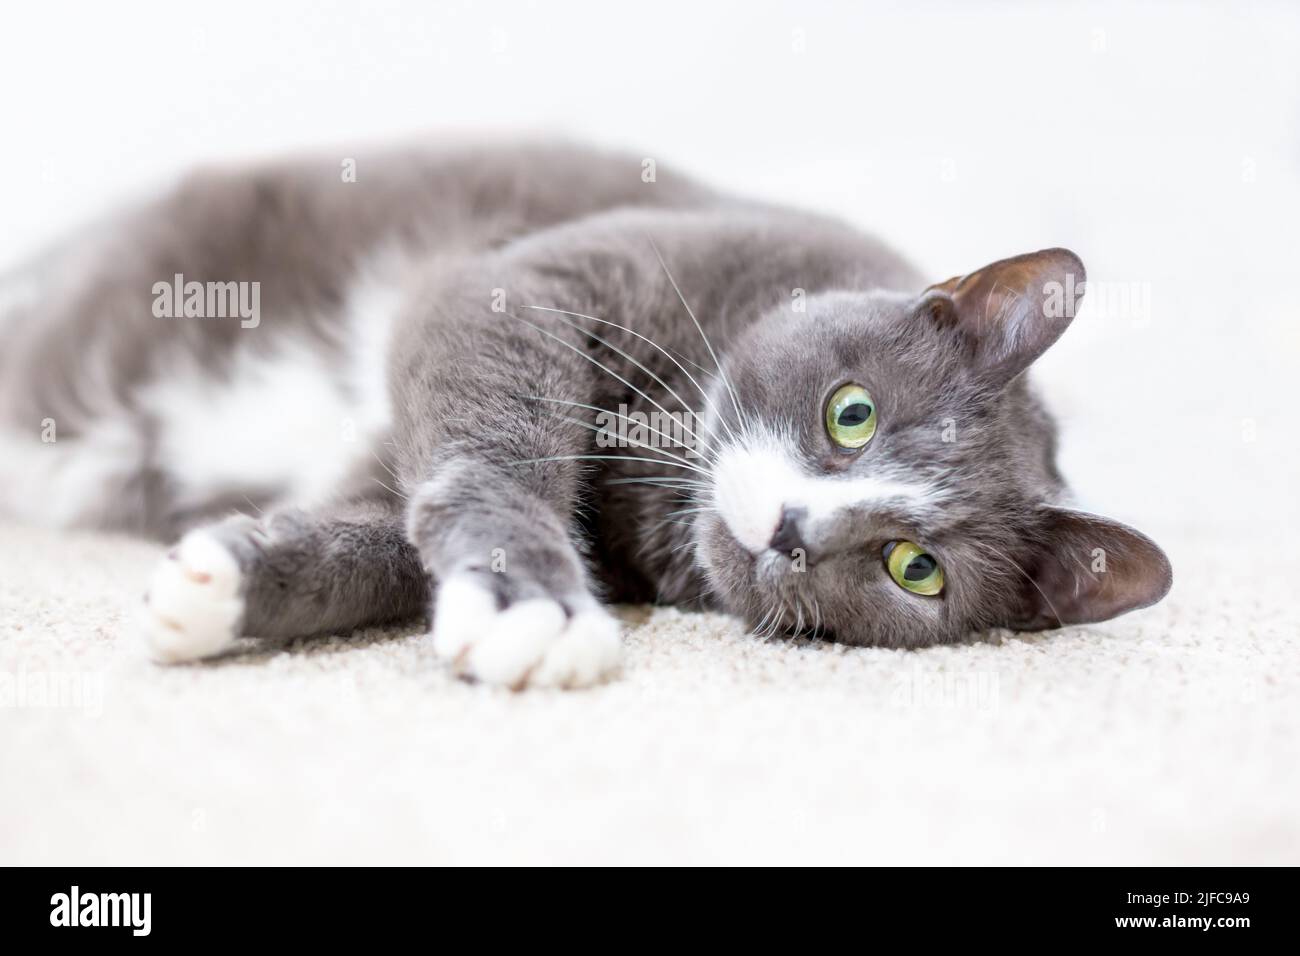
(531,643)
(193,607)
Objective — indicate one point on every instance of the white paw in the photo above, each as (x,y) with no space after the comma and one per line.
(193,607)
(531,643)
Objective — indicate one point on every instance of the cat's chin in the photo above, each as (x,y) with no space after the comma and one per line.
(770,568)
(754,586)
(735,573)
(767,568)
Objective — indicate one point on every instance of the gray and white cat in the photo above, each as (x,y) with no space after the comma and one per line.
(508,385)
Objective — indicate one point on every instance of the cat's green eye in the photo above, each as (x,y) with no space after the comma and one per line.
(851,417)
(913,569)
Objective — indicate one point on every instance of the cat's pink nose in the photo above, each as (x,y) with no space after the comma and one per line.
(788,535)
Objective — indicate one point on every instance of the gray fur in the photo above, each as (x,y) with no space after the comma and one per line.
(486,462)
(338,568)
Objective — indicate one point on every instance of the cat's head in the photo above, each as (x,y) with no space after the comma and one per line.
(884,476)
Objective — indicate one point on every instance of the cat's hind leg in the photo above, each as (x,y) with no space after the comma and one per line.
(290,574)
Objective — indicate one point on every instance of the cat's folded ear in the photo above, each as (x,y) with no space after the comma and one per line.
(1090,569)
(1008,313)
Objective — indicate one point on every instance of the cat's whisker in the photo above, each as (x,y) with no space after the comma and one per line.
(695,365)
(678,517)
(694,482)
(678,489)
(798,624)
(680,498)
(676,521)
(644,447)
(383,464)
(603,367)
(796,605)
(594,408)
(703,392)
(692,510)
(781,622)
(393,490)
(777,617)
(655,378)
(810,604)
(735,402)
(652,461)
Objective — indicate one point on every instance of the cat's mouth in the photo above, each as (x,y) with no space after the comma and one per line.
(774,567)
(763,567)
(767,588)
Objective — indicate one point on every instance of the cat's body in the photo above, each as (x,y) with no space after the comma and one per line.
(426,392)
(332,261)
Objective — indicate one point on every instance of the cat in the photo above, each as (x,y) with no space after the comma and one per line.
(430,415)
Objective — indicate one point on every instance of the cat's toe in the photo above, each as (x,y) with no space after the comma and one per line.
(533,642)
(461,615)
(517,640)
(589,650)
(193,607)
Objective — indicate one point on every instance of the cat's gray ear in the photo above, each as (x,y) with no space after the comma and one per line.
(1090,569)
(1008,313)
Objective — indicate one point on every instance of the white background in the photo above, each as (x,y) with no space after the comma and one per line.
(1160,143)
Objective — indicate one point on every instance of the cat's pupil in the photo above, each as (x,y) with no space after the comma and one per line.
(855,415)
(920,568)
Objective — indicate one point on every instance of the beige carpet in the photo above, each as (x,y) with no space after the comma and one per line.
(1158,142)
(1169,736)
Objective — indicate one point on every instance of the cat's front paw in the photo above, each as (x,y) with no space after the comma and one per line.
(193,607)
(534,642)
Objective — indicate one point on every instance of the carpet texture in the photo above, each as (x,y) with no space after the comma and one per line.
(1168,736)
(1159,143)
